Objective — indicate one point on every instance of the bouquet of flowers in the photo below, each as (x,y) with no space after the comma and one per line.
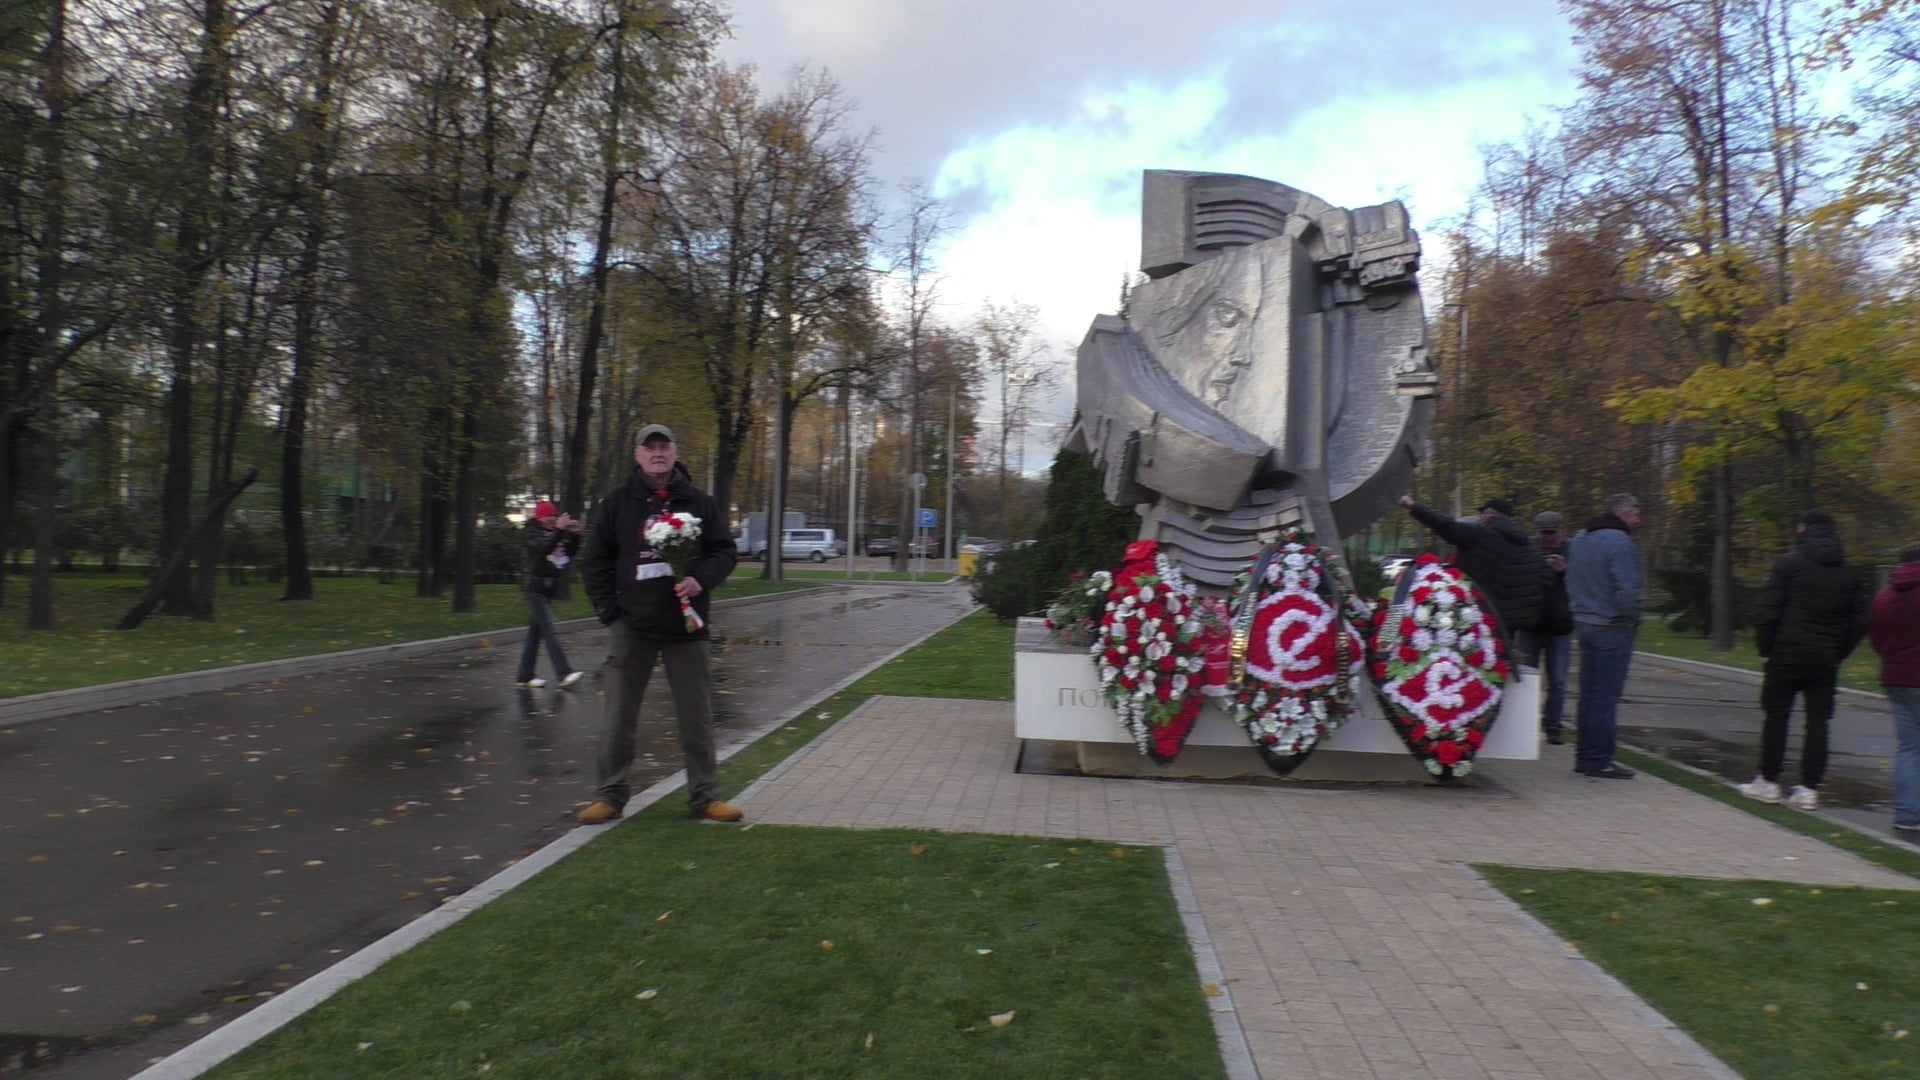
(1148,651)
(675,537)
(1299,650)
(1438,666)
(1074,615)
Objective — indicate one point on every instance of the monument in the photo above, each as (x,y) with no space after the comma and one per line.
(1270,390)
(1274,372)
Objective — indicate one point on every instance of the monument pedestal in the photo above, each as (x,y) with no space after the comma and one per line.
(1057,697)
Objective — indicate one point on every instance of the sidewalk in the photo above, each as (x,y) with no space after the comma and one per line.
(1350,936)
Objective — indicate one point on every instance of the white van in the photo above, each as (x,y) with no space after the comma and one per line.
(816,544)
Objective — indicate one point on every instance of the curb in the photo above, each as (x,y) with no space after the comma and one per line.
(1751,678)
(243,1031)
(82,699)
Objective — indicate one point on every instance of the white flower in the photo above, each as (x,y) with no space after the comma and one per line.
(1423,639)
(1179,683)
(1146,594)
(1422,615)
(1447,638)
(1445,598)
(1445,620)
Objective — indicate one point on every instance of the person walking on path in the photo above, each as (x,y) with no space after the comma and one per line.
(1550,642)
(1894,628)
(1812,612)
(1497,554)
(1603,592)
(552,538)
(656,611)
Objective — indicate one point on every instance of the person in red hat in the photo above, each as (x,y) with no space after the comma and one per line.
(552,539)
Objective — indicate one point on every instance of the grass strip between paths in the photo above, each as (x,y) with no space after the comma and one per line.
(253,624)
(1780,981)
(669,948)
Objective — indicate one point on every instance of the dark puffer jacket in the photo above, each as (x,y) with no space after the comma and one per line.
(1500,558)
(1895,627)
(615,549)
(1814,607)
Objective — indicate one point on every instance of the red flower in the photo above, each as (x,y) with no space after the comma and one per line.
(1475,737)
(1164,691)
(1447,752)
(1501,669)
(1156,611)
(1408,627)
(1409,654)
(1423,594)
(1166,663)
(1380,671)
(1141,549)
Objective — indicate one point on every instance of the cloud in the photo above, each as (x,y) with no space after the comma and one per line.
(1033,121)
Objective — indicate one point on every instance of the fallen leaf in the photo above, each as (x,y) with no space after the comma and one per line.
(870,1039)
(1051,866)
(664,916)
(983,952)
(362,1046)
(1213,991)
(462,1006)
(1761,901)
(198,1020)
(917,849)
(1770,1009)
(1119,853)
(144,1019)
(826,946)
(1001,1019)
(646,995)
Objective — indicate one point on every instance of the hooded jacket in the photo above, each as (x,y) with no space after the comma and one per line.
(1894,627)
(1603,574)
(1814,606)
(546,557)
(1500,557)
(615,556)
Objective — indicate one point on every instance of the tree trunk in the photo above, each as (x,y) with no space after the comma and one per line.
(52,312)
(464,509)
(216,509)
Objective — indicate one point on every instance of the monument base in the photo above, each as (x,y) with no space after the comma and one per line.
(1057,697)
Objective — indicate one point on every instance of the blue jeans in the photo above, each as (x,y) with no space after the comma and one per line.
(1906,760)
(1606,652)
(1553,653)
(540,629)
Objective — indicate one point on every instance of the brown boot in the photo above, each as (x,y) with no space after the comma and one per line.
(718,811)
(599,813)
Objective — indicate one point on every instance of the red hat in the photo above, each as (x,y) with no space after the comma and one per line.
(545,509)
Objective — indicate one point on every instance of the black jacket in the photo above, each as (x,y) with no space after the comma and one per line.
(547,555)
(1814,607)
(1556,611)
(614,551)
(1500,558)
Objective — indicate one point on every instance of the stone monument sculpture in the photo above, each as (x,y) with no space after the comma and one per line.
(1273,371)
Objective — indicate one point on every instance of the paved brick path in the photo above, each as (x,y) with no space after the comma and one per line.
(1352,939)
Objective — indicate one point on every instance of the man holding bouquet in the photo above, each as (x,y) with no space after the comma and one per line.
(656,550)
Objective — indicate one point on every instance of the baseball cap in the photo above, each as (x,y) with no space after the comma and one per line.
(1549,520)
(545,509)
(652,431)
(1499,506)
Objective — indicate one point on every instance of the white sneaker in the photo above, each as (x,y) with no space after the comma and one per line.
(1803,798)
(572,678)
(532,684)
(1761,789)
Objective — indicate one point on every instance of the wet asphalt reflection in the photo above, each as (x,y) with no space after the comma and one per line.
(170,865)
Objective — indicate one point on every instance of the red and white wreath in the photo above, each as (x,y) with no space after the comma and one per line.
(1149,653)
(1439,666)
(1294,629)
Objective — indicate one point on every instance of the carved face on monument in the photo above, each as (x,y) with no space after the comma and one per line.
(1220,329)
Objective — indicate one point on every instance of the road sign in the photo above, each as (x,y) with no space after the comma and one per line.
(918,481)
(929,519)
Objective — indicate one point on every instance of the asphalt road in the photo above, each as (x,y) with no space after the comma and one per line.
(171,864)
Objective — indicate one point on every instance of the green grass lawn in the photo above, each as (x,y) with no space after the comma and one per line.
(667,948)
(1781,982)
(250,624)
(1860,672)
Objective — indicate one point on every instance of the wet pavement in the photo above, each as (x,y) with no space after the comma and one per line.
(171,864)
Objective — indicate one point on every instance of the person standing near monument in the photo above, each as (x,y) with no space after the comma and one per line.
(1549,643)
(1813,610)
(656,610)
(1603,592)
(1497,554)
(1894,628)
(551,540)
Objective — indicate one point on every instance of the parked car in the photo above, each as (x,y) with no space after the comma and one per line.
(881,545)
(1392,566)
(816,544)
(979,545)
(924,547)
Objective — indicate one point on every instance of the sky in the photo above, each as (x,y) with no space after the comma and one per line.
(1033,119)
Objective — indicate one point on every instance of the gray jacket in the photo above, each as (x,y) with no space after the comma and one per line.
(1603,574)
